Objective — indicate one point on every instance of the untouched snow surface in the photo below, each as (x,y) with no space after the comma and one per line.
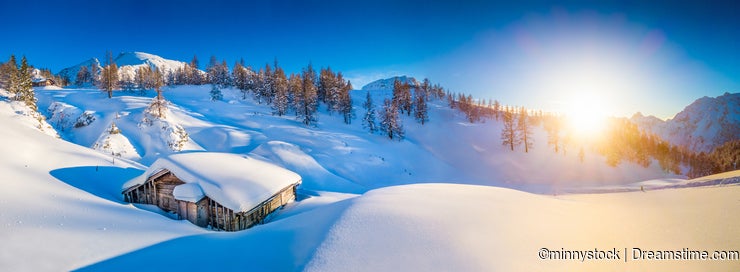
(235,181)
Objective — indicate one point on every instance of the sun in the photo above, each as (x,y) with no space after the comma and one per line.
(586,115)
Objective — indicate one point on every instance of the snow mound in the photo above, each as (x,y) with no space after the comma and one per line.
(113,142)
(168,131)
(387,83)
(188,192)
(446,227)
(315,176)
(237,182)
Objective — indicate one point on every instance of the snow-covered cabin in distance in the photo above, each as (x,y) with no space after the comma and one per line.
(221,190)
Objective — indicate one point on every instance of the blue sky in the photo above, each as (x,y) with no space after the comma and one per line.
(628,56)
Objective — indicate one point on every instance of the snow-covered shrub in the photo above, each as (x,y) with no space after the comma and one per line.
(85,119)
(175,135)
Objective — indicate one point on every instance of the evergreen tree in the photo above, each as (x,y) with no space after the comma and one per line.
(306,99)
(508,133)
(326,78)
(239,74)
(496,109)
(421,111)
(295,87)
(83,76)
(368,122)
(390,123)
(280,103)
(524,129)
(95,73)
(24,91)
(216,94)
(109,76)
(402,96)
(10,75)
(193,74)
(345,101)
(266,88)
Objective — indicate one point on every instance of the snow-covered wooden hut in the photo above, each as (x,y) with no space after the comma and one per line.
(224,191)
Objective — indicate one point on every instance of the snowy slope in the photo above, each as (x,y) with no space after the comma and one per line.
(343,158)
(61,202)
(703,125)
(386,84)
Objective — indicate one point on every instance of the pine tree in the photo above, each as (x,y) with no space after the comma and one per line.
(10,75)
(24,90)
(239,74)
(496,109)
(266,88)
(524,129)
(508,133)
(95,73)
(215,93)
(368,122)
(109,76)
(280,84)
(193,74)
(295,88)
(306,99)
(345,101)
(390,122)
(402,96)
(421,112)
(326,78)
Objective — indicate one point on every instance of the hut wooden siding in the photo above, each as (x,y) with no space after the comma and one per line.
(42,83)
(158,190)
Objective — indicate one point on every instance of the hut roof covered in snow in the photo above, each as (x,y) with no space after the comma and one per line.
(237,182)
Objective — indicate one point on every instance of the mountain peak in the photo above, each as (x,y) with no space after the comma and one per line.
(387,83)
(703,125)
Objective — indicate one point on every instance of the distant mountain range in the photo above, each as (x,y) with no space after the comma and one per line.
(703,125)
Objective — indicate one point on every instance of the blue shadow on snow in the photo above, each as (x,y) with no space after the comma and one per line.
(102,181)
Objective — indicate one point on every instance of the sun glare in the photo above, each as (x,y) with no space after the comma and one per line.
(586,115)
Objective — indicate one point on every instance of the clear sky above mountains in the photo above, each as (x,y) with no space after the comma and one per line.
(649,56)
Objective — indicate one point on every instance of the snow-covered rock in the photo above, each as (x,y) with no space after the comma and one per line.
(703,125)
(387,83)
